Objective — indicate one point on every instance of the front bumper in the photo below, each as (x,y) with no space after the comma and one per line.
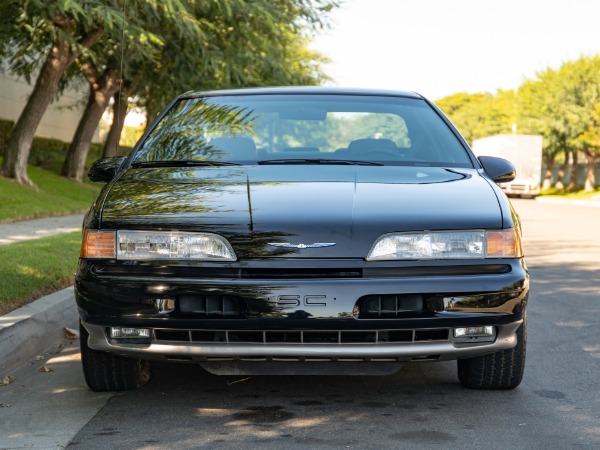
(323,318)
(442,349)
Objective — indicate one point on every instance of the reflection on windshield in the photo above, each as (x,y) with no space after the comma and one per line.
(186,131)
(253,128)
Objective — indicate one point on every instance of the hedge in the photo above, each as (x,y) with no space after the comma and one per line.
(5,129)
(49,153)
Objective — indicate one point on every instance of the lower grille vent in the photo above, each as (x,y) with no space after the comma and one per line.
(212,305)
(389,306)
(303,336)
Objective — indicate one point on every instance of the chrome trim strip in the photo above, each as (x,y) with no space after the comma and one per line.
(301,246)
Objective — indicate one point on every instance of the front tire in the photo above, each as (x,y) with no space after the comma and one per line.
(500,370)
(105,372)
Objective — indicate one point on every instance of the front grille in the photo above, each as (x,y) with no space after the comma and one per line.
(302,336)
(389,306)
(293,273)
(435,271)
(195,272)
(165,270)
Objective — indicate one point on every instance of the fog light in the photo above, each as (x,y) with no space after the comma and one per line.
(475,334)
(129,333)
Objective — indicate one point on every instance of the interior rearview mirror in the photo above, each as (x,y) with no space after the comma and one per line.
(303,113)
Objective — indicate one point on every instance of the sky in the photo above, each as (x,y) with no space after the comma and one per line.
(441,47)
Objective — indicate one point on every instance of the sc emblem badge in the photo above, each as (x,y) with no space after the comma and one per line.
(294,301)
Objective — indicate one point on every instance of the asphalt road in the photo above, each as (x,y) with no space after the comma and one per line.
(556,406)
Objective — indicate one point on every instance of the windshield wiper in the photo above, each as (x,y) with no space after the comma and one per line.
(182,163)
(319,161)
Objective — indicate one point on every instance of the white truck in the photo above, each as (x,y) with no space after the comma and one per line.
(524,151)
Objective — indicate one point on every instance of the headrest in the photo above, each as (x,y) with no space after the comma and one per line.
(240,147)
(302,149)
(372,144)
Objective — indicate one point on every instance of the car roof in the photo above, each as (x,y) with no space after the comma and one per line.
(301,90)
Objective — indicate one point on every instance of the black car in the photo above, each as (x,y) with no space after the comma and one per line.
(302,231)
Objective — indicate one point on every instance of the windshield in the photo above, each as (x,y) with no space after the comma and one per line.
(306,129)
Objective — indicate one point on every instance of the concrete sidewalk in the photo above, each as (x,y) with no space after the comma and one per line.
(33,328)
(38,228)
(31,337)
(45,408)
(29,330)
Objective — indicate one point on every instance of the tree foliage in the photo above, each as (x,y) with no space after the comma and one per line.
(480,115)
(140,44)
(560,104)
(248,44)
(49,36)
(150,50)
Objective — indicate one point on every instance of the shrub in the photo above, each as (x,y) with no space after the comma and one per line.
(46,152)
(95,151)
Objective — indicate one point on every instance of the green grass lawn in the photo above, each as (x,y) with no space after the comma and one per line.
(31,269)
(56,196)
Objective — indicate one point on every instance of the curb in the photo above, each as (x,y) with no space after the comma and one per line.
(564,201)
(33,328)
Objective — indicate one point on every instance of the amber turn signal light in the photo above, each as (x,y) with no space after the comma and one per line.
(98,244)
(504,244)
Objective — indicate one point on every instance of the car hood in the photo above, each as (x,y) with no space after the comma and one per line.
(257,206)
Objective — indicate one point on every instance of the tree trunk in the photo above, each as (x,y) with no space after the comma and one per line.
(151,114)
(151,107)
(46,85)
(100,95)
(560,178)
(573,182)
(547,183)
(59,58)
(111,146)
(590,175)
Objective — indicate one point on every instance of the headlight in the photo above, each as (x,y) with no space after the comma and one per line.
(145,245)
(467,244)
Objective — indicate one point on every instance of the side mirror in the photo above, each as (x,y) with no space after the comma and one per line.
(105,169)
(498,169)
